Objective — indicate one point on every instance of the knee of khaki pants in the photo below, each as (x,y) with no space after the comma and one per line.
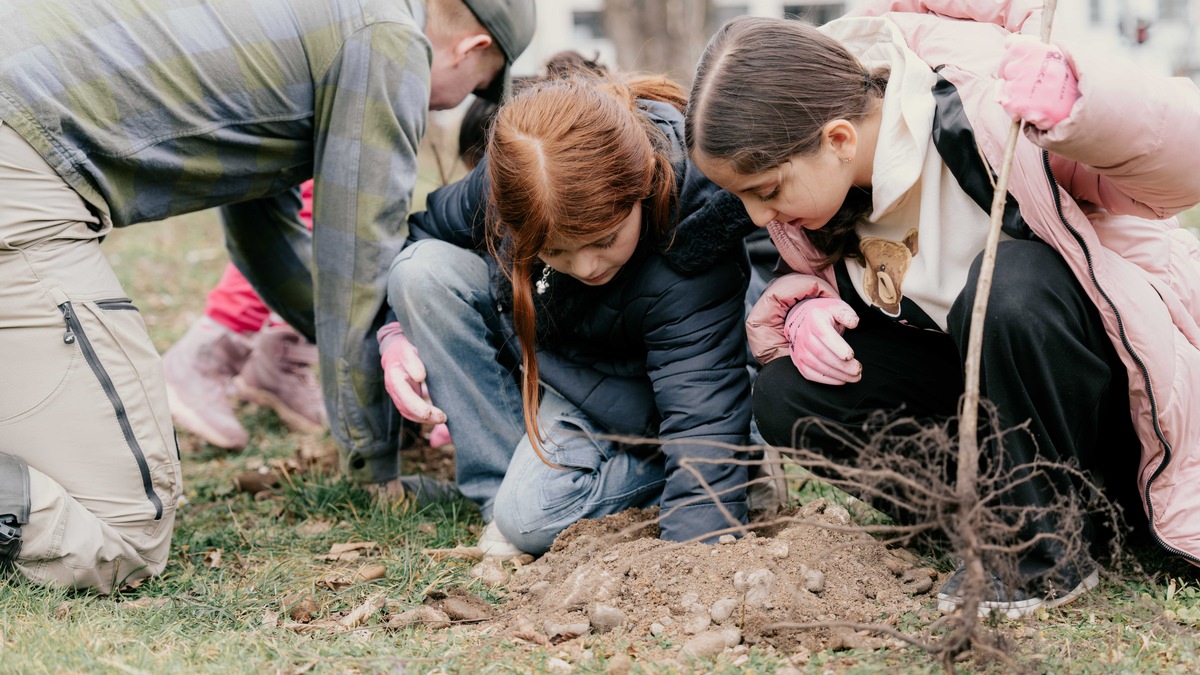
(92,417)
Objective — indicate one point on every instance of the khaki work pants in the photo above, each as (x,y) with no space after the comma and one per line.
(83,401)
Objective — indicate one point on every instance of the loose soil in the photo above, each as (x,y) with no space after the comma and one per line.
(613,578)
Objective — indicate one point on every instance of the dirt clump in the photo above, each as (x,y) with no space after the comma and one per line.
(614,580)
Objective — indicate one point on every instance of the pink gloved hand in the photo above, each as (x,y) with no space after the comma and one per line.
(404,376)
(1035,82)
(814,331)
(439,436)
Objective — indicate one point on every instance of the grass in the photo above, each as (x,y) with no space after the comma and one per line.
(240,564)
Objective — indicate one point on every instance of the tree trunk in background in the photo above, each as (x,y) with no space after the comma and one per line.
(659,36)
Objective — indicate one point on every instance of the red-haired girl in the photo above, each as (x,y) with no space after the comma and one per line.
(606,297)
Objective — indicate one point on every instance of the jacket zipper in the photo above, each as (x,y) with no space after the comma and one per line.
(75,334)
(1128,348)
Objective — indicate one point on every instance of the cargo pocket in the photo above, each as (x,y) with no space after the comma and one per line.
(113,341)
(580,453)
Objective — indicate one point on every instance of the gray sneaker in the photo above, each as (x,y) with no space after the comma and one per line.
(767,492)
(280,374)
(199,371)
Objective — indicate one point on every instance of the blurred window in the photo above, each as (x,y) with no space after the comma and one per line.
(816,13)
(588,25)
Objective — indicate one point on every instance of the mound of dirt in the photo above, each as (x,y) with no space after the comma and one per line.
(616,578)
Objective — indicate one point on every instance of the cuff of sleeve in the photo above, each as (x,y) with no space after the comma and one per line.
(376,465)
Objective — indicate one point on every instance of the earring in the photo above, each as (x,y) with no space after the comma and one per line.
(845,160)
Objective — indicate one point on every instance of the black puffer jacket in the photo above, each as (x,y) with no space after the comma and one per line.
(659,351)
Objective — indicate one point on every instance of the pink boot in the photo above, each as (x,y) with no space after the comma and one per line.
(199,371)
(280,375)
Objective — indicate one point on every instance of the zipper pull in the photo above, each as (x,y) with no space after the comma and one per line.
(69,336)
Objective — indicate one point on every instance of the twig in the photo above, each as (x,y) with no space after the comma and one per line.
(968,446)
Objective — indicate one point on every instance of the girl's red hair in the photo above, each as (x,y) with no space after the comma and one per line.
(569,159)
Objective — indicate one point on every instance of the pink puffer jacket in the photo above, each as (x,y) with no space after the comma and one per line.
(1126,160)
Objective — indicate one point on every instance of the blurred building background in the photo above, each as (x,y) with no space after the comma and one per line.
(668,35)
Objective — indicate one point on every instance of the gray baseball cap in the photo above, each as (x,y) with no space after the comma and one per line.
(511,23)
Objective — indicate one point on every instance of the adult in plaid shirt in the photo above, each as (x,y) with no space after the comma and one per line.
(116,112)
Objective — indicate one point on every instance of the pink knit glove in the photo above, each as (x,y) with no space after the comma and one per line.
(1036,83)
(404,376)
(814,331)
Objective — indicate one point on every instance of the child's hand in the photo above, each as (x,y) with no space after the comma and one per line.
(814,331)
(1036,83)
(404,377)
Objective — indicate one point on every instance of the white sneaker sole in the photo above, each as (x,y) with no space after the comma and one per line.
(1022,608)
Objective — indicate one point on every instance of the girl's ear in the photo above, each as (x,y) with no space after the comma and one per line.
(470,43)
(842,138)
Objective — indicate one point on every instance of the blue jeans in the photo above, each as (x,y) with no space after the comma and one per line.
(442,297)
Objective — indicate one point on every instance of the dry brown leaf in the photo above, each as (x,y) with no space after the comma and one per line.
(335,583)
(143,603)
(63,610)
(456,553)
(359,615)
(311,528)
(256,481)
(427,528)
(369,572)
(213,558)
(269,619)
(349,550)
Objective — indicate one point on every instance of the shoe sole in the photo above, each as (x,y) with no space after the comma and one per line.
(191,421)
(767,491)
(1023,608)
(294,420)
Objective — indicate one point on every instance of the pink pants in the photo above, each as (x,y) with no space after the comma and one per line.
(233,303)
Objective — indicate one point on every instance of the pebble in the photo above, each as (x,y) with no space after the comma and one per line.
(697,623)
(539,587)
(566,631)
(837,515)
(490,571)
(777,549)
(723,609)
(814,581)
(710,643)
(657,629)
(726,539)
(557,665)
(605,618)
(755,586)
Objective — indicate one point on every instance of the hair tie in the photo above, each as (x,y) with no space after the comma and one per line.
(867,81)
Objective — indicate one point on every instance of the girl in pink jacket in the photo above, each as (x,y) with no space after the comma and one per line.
(867,149)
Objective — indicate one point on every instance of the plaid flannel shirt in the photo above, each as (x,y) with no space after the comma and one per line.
(152,108)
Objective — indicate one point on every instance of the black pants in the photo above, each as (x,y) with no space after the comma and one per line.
(1047,362)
